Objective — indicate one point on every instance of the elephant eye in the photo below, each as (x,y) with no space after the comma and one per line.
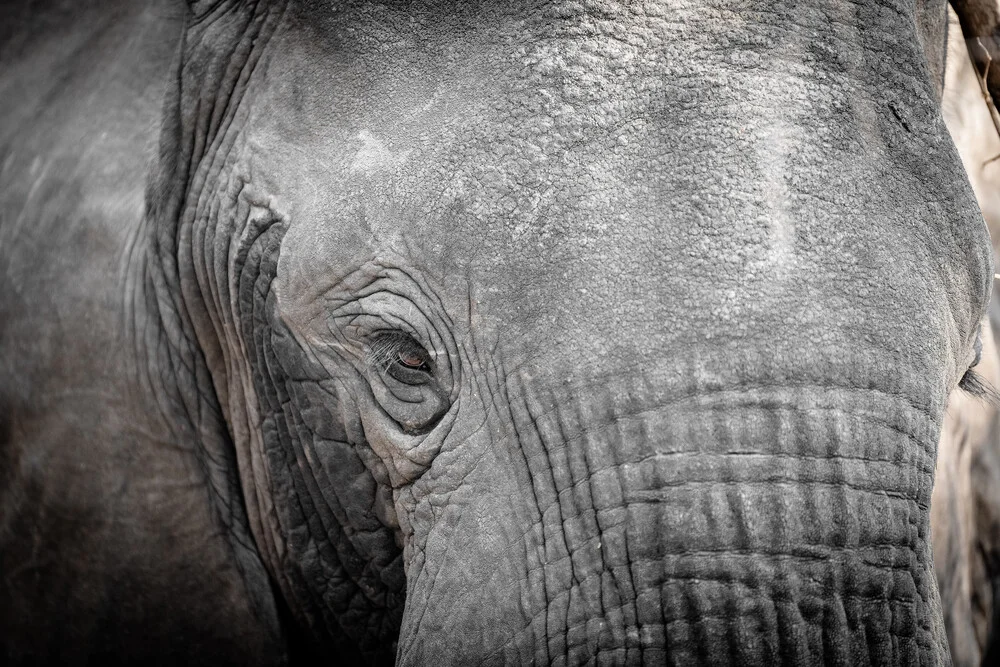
(405,380)
(412,359)
(399,356)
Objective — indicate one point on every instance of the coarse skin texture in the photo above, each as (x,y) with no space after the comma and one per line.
(488,333)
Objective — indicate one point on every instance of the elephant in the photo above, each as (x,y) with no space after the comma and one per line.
(573,331)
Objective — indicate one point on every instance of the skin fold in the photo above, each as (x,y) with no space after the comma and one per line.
(478,333)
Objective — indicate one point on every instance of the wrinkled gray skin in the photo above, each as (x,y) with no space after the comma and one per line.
(688,286)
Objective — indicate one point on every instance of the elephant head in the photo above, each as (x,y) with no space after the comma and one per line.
(565,331)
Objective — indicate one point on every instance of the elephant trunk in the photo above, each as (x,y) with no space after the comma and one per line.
(726,523)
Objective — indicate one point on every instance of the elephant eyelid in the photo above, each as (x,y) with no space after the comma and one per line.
(387,348)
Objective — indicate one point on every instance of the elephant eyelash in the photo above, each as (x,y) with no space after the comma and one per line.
(386,348)
(976,385)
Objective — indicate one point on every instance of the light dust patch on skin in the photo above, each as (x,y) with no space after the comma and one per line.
(426,107)
(779,138)
(776,144)
(375,155)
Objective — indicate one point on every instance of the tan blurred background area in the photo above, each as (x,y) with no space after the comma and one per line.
(968,120)
(965,509)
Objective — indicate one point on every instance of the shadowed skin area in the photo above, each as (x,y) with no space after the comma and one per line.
(111,550)
(559,333)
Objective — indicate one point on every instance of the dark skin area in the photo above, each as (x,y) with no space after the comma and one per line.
(396,356)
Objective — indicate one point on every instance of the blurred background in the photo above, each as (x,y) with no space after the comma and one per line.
(965,510)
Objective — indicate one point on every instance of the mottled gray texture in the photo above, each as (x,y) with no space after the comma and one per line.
(688,285)
(932,30)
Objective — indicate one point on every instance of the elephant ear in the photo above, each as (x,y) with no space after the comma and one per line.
(980,21)
(293,485)
(180,378)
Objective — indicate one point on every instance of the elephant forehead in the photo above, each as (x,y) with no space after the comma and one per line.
(494,151)
(623,173)
(576,121)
